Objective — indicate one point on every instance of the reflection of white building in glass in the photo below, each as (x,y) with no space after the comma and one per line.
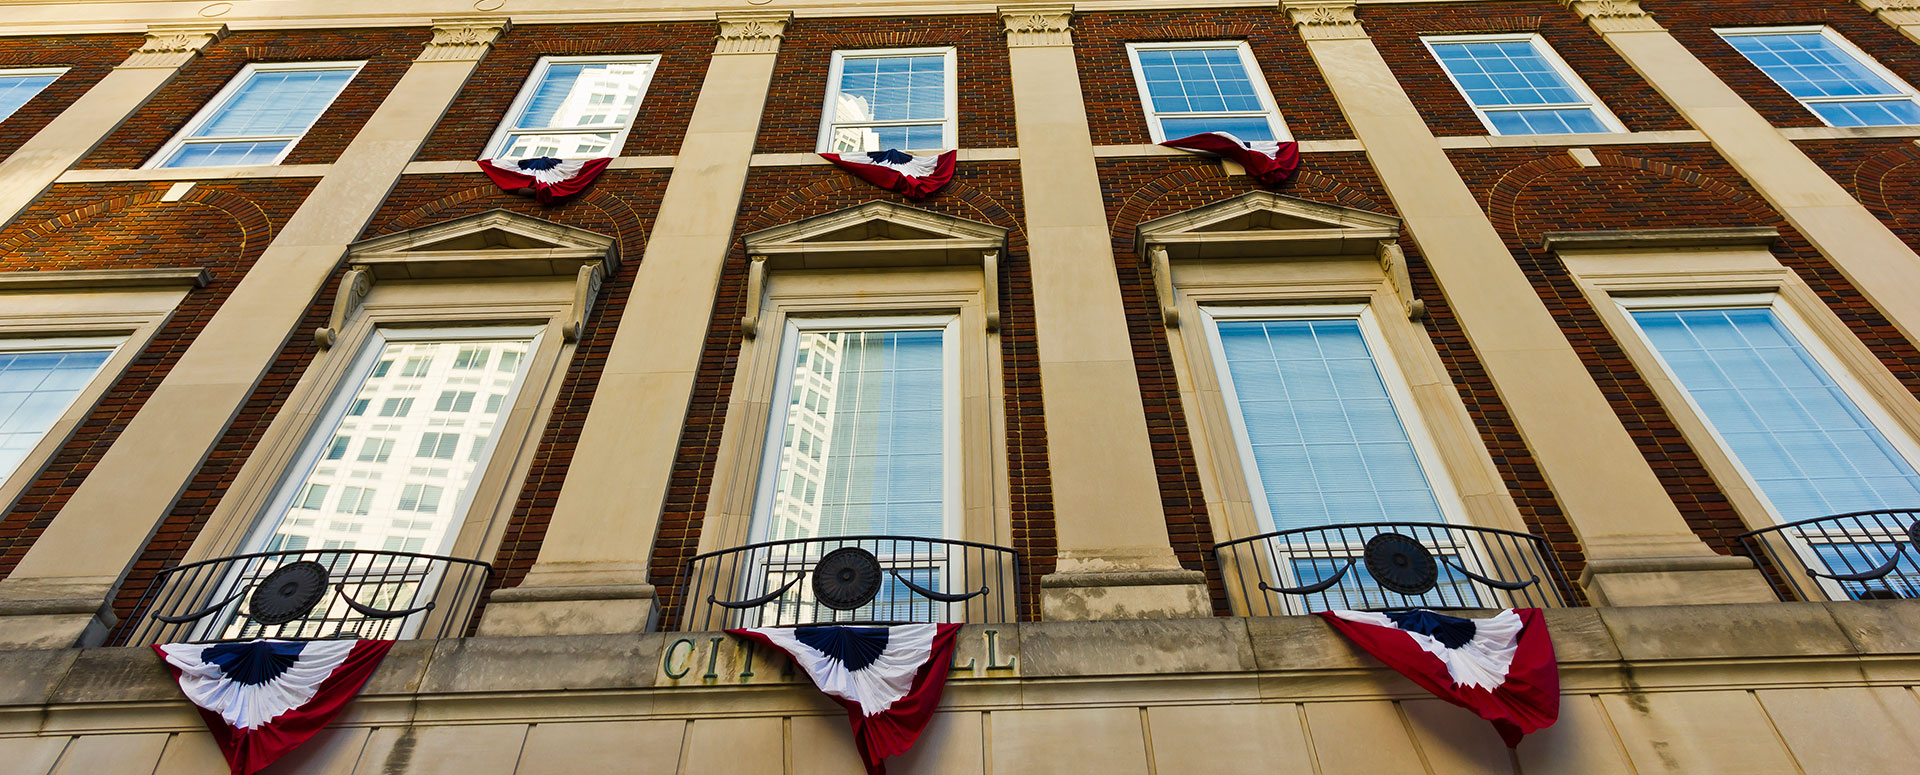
(810,413)
(573,108)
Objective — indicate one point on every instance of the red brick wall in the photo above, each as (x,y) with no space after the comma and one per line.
(984,192)
(89,57)
(387,53)
(1884,176)
(222,226)
(683,48)
(791,123)
(1396,31)
(1692,23)
(1113,98)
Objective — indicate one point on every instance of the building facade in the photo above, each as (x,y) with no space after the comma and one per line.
(1605,307)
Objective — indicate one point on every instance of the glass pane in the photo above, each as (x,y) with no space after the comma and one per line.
(1807,64)
(581,94)
(1359,590)
(15,90)
(1806,445)
(1900,112)
(864,448)
(1248,128)
(881,138)
(1844,558)
(1198,80)
(897,88)
(1328,446)
(1506,72)
(36,387)
(1545,122)
(227,154)
(412,466)
(276,102)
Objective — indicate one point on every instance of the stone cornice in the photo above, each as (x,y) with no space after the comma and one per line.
(751,32)
(1615,15)
(173,45)
(463,39)
(1325,20)
(1038,25)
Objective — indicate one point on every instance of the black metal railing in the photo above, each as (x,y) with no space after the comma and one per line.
(306,595)
(1864,555)
(850,579)
(1391,565)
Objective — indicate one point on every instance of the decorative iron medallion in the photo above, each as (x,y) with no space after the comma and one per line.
(1401,564)
(1913,534)
(288,593)
(847,578)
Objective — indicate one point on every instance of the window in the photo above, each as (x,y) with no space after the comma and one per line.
(574,108)
(457,401)
(338,449)
(19,86)
(375,451)
(314,498)
(420,497)
(1838,82)
(355,500)
(1518,86)
(898,99)
(1194,88)
(440,446)
(39,380)
(259,117)
(396,407)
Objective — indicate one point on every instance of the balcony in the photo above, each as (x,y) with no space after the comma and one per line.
(1391,565)
(870,579)
(307,595)
(1863,555)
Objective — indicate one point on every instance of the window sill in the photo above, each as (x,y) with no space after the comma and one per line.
(196,173)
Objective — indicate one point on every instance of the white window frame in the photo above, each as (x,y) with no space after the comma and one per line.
(1859,57)
(950,127)
(497,143)
(950,410)
(185,137)
(24,72)
(1275,122)
(1552,59)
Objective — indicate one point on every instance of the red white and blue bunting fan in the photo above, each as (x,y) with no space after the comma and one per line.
(1271,162)
(263,698)
(1501,668)
(545,178)
(916,177)
(888,678)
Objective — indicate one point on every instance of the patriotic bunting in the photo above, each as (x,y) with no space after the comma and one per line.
(1269,161)
(545,178)
(888,678)
(261,699)
(1501,668)
(917,177)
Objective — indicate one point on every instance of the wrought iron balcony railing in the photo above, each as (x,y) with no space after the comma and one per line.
(308,595)
(1391,565)
(849,580)
(1864,555)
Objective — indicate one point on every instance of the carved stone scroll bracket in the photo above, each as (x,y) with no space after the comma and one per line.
(990,265)
(1163,285)
(756,293)
(1325,20)
(751,32)
(462,39)
(1393,261)
(172,45)
(354,287)
(1615,15)
(1038,25)
(1899,13)
(586,288)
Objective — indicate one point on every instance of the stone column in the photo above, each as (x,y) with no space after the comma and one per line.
(1871,257)
(1115,560)
(1639,549)
(591,575)
(62,589)
(1902,14)
(32,168)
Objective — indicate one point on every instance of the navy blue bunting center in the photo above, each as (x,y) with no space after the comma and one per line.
(253,663)
(539,163)
(1452,632)
(855,647)
(890,156)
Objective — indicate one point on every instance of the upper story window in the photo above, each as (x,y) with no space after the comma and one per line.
(899,99)
(1194,88)
(39,381)
(19,86)
(258,118)
(574,108)
(1838,82)
(1518,86)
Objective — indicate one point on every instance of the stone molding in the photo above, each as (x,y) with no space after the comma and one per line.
(458,40)
(1899,13)
(751,32)
(1615,15)
(1326,21)
(172,45)
(1038,25)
